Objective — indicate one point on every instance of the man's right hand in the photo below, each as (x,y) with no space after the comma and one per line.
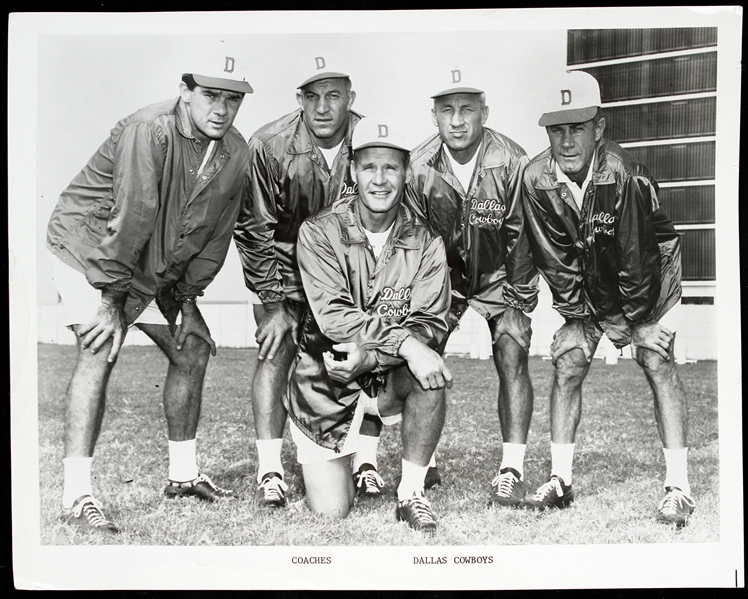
(109,322)
(270,332)
(570,336)
(426,365)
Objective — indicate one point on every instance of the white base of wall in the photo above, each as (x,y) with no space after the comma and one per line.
(232,325)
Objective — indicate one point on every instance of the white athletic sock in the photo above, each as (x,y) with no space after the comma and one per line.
(367,452)
(513,456)
(562,456)
(269,457)
(676,469)
(412,481)
(432,461)
(183,460)
(77,476)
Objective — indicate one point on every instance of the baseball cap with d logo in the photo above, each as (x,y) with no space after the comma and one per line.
(573,97)
(221,67)
(377,133)
(323,71)
(459,80)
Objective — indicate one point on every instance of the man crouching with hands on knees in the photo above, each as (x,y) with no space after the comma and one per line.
(378,287)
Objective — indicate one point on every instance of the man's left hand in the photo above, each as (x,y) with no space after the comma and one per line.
(193,324)
(516,324)
(652,336)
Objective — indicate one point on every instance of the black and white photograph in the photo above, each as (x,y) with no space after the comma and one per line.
(397,299)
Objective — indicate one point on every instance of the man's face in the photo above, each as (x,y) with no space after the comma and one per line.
(211,111)
(326,104)
(380,174)
(460,119)
(574,144)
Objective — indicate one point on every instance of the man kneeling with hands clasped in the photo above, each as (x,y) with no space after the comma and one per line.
(378,287)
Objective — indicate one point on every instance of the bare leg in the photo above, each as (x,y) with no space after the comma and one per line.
(85,400)
(670,404)
(183,390)
(329,487)
(566,396)
(515,390)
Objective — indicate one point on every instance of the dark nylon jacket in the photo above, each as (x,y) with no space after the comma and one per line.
(287,181)
(353,297)
(605,258)
(137,218)
(483,228)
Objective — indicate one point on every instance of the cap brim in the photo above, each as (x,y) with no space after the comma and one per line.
(564,117)
(321,76)
(381,144)
(458,90)
(231,85)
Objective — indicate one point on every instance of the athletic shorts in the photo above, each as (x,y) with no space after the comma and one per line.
(615,325)
(308,452)
(81,301)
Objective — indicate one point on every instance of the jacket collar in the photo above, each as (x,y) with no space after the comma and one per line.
(403,231)
(601,172)
(184,127)
(301,141)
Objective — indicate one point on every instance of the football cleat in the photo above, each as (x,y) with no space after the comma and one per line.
(368,482)
(433,478)
(271,492)
(201,487)
(507,488)
(675,508)
(553,494)
(87,515)
(416,511)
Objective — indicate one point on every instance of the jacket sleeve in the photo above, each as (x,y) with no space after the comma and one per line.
(136,172)
(338,317)
(521,290)
(205,266)
(414,198)
(553,253)
(254,233)
(637,252)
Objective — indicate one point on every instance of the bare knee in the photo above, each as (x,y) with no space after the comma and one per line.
(571,368)
(653,364)
(193,357)
(510,358)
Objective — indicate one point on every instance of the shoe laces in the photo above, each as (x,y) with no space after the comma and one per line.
(370,479)
(274,488)
(546,488)
(504,483)
(672,502)
(91,510)
(203,478)
(421,507)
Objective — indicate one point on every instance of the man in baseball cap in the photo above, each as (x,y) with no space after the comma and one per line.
(370,346)
(298,164)
(150,217)
(611,258)
(466,181)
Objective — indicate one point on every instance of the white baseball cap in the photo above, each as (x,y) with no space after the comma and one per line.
(221,67)
(573,97)
(376,133)
(323,71)
(460,81)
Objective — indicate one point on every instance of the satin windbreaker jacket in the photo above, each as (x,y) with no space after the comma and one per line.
(605,258)
(353,297)
(138,218)
(287,181)
(483,228)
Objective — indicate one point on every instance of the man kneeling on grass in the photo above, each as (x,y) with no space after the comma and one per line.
(378,287)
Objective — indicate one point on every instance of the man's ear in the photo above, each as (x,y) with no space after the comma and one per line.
(433,118)
(184,92)
(599,128)
(484,115)
(351,98)
(300,98)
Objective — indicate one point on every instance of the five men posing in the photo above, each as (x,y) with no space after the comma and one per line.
(363,257)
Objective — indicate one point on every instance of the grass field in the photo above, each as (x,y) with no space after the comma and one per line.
(618,472)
